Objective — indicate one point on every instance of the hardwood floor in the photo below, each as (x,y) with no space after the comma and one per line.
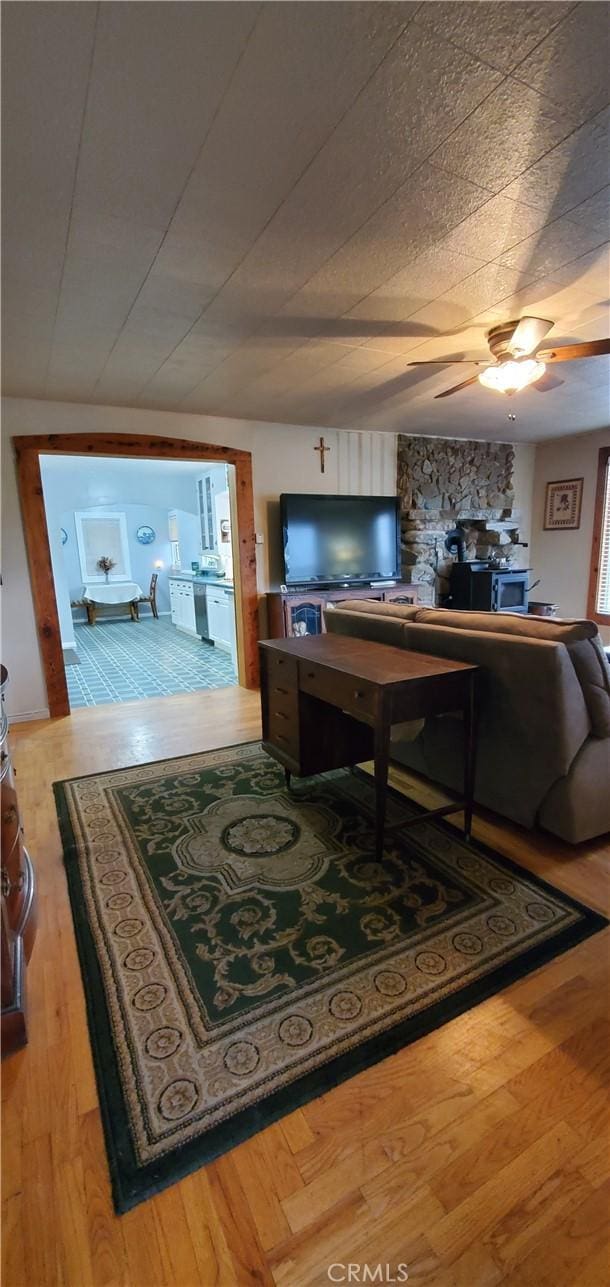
(477,1156)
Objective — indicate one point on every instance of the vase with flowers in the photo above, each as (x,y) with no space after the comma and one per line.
(105,565)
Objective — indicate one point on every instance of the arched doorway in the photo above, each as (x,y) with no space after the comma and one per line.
(28,451)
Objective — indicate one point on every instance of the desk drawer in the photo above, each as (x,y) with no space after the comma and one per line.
(356,696)
(283,704)
(282,672)
(284,734)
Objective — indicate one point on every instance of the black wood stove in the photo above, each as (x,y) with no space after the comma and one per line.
(488,588)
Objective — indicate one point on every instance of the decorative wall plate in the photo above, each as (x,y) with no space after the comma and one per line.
(145,535)
(63,534)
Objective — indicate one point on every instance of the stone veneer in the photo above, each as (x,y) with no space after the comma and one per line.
(443,482)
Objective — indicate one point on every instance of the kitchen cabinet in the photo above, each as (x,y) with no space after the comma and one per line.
(221,617)
(182,604)
(210,484)
(185,538)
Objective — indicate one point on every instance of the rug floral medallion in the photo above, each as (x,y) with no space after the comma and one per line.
(241,947)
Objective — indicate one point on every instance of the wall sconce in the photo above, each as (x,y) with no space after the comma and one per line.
(158,564)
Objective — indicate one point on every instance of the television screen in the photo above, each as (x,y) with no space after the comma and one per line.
(331,539)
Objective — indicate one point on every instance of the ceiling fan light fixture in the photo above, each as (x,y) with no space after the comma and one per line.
(512,375)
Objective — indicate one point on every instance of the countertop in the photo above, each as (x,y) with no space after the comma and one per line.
(221,581)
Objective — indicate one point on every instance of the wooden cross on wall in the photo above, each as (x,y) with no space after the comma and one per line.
(322,448)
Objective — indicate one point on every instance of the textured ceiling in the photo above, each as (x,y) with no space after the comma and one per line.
(268,211)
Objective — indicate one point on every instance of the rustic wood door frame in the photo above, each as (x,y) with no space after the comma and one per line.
(139,446)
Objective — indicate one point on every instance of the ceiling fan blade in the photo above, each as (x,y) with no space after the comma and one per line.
(528,334)
(456,388)
(453,362)
(547,382)
(569,352)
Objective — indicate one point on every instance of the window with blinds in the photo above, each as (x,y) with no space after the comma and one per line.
(102,532)
(598,602)
(602,596)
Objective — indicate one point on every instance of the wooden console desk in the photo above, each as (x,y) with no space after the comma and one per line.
(329,701)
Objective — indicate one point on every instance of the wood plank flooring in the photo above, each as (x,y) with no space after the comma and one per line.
(477,1156)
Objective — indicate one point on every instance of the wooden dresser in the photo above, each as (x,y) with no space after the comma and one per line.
(18,901)
(294,613)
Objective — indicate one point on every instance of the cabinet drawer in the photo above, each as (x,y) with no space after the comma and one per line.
(282,672)
(356,696)
(283,732)
(283,699)
(9,808)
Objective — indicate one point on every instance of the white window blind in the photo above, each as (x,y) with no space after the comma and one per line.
(102,532)
(602,601)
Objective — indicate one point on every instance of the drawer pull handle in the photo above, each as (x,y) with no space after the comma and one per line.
(8,886)
(282,691)
(280,737)
(311,674)
(358,694)
(280,715)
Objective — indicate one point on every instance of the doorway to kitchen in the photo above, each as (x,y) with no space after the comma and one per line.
(143,572)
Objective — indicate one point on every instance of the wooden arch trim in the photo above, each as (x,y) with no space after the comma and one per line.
(139,446)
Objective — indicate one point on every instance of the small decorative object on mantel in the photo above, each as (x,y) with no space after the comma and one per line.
(145,534)
(563,504)
(322,448)
(105,565)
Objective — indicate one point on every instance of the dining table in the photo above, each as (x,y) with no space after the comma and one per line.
(114,593)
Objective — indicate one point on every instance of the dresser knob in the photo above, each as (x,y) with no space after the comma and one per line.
(358,694)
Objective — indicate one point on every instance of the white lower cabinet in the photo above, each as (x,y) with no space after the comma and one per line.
(221,617)
(182,605)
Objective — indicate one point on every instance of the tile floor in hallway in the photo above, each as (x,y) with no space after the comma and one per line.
(121,661)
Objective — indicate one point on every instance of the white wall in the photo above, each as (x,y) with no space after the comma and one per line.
(283,459)
(562,559)
(523,485)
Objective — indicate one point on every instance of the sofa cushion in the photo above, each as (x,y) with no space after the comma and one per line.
(365,625)
(406,611)
(510,623)
(591,665)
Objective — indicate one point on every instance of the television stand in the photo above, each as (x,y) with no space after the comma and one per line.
(297,612)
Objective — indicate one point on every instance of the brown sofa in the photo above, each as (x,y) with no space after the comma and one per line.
(544,731)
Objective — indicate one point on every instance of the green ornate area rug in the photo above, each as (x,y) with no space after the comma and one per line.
(242,951)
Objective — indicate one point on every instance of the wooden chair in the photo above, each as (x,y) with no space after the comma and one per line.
(151,597)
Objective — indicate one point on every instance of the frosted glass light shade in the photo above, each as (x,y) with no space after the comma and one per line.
(511,376)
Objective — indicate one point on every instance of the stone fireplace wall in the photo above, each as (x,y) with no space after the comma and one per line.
(443,482)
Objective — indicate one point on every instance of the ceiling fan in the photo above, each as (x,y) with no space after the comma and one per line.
(519,361)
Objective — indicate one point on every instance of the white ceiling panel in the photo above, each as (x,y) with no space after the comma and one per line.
(499,34)
(570,66)
(273,210)
(508,132)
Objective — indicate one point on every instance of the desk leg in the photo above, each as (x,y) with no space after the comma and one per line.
(470,747)
(382,761)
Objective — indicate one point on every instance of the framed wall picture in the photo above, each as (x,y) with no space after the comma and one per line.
(562,505)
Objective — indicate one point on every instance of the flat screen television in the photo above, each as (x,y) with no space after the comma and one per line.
(334,540)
